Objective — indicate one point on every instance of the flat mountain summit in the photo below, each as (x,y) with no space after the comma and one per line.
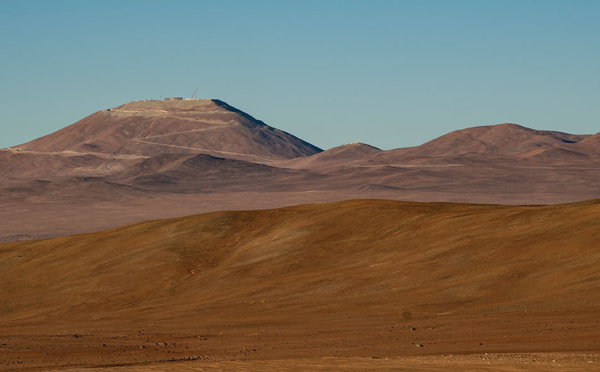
(167,158)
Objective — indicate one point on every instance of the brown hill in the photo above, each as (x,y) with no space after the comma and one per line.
(484,144)
(502,139)
(502,142)
(593,142)
(148,128)
(177,173)
(21,167)
(341,156)
(351,279)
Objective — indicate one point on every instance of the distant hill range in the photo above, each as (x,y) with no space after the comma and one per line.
(154,159)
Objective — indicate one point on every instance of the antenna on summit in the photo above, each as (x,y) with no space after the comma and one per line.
(192,97)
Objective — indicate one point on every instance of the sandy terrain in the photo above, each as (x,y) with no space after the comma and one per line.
(338,285)
(470,362)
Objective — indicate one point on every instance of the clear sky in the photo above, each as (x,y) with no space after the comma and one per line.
(388,73)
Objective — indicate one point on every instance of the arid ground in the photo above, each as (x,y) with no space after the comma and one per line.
(337,285)
(449,256)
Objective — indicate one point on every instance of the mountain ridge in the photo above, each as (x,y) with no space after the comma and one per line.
(180,157)
(501,139)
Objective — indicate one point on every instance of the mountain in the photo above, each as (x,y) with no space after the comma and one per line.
(149,128)
(116,142)
(158,159)
(502,139)
(337,281)
(505,142)
(491,143)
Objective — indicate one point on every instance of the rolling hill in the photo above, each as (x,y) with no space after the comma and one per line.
(359,279)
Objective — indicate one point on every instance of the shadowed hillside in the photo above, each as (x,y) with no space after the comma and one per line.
(358,278)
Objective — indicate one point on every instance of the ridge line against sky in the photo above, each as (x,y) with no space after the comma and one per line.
(387,73)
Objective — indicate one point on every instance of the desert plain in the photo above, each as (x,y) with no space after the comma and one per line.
(187,235)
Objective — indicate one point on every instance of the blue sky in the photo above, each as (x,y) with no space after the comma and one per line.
(388,73)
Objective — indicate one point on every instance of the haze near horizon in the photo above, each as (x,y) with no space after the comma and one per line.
(387,73)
